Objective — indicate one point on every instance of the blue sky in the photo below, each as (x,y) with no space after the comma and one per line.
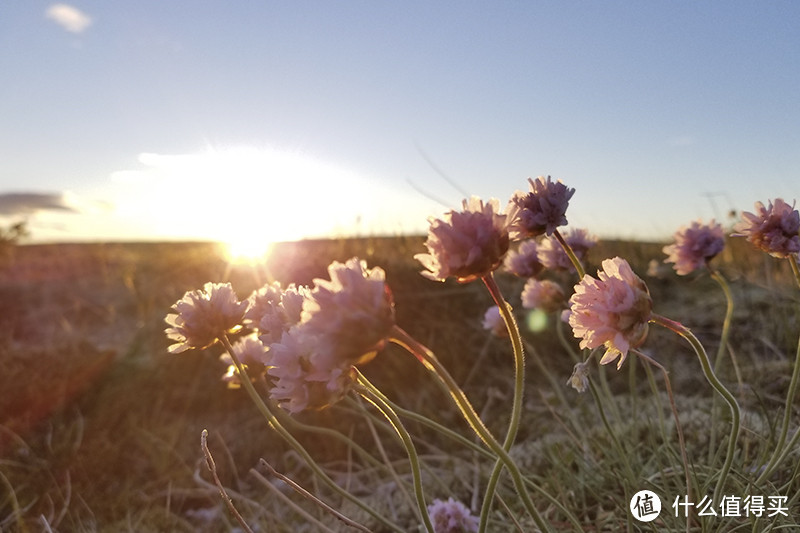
(275,120)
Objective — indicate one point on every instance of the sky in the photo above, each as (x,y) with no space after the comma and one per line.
(264,121)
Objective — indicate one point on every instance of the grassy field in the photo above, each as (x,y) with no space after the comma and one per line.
(100,427)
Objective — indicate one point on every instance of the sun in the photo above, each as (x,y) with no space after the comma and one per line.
(245,249)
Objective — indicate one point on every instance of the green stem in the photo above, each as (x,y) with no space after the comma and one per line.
(780,452)
(374,396)
(519,390)
(723,345)
(571,254)
(273,423)
(795,268)
(684,332)
(726,325)
(429,360)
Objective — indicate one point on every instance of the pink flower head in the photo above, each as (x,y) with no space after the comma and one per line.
(351,315)
(203,316)
(274,310)
(613,311)
(695,246)
(493,321)
(545,295)
(299,383)
(451,516)
(466,245)
(774,229)
(524,262)
(552,255)
(539,211)
(250,352)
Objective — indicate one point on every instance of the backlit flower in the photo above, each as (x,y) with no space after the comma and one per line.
(274,310)
(344,322)
(251,353)
(493,321)
(774,229)
(300,384)
(552,255)
(524,262)
(466,245)
(695,246)
(203,316)
(545,295)
(539,211)
(451,516)
(613,311)
(352,314)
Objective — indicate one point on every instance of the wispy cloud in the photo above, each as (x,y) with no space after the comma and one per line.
(25,203)
(68,17)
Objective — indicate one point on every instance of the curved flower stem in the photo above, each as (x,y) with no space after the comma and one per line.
(686,333)
(571,254)
(429,360)
(374,396)
(780,452)
(723,345)
(726,325)
(519,391)
(273,422)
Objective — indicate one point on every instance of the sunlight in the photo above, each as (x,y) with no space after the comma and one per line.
(247,250)
(245,197)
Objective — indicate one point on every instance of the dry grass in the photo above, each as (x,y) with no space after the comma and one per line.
(100,428)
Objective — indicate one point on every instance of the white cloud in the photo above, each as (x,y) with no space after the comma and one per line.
(68,17)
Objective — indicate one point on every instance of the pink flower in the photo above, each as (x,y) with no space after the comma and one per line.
(299,383)
(695,246)
(252,353)
(466,245)
(541,210)
(493,321)
(451,516)
(274,310)
(524,262)
(613,311)
(352,314)
(774,229)
(203,316)
(344,322)
(552,255)
(545,295)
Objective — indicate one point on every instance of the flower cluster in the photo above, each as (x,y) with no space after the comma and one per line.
(539,211)
(552,255)
(466,245)
(774,228)
(201,317)
(344,321)
(613,311)
(493,322)
(543,294)
(306,340)
(451,516)
(695,246)
(524,262)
